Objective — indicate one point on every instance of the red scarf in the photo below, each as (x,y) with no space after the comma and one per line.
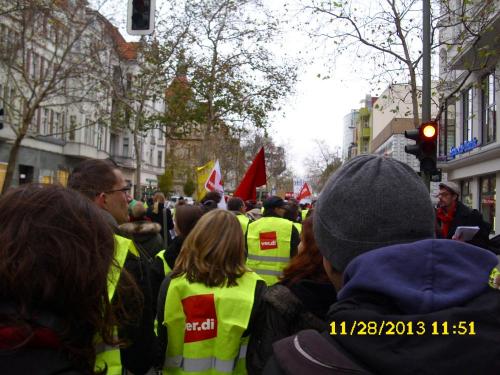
(446,218)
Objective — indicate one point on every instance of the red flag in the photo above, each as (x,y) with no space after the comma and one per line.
(255,177)
(304,192)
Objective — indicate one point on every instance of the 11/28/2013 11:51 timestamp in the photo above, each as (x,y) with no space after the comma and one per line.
(400,328)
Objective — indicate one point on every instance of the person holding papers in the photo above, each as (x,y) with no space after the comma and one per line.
(451,213)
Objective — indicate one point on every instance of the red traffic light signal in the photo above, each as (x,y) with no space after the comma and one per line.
(425,147)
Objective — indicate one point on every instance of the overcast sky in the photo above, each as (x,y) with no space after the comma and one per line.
(318,106)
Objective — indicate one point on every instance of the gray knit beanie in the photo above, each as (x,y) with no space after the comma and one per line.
(371,202)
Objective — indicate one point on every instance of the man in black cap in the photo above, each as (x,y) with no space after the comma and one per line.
(271,241)
(451,213)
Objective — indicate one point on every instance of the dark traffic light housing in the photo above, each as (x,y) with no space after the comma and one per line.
(1,118)
(425,147)
(141,15)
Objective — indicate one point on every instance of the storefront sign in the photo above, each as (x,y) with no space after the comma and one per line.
(464,147)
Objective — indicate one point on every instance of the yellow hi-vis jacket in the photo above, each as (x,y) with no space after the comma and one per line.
(269,242)
(110,355)
(205,326)
(304,214)
(166,267)
(244,221)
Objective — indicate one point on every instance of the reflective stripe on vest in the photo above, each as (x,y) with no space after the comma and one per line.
(205,326)
(269,241)
(244,221)
(166,267)
(106,354)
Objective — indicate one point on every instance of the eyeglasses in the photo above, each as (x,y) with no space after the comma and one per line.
(125,190)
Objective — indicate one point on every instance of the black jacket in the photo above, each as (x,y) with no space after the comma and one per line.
(140,353)
(146,236)
(467,217)
(158,218)
(286,311)
(158,270)
(37,362)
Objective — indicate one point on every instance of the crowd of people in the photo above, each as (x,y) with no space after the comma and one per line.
(371,279)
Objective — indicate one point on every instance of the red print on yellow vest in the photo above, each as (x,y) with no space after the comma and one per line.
(268,240)
(201,318)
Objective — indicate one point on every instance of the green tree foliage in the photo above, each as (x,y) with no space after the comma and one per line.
(166,182)
(189,187)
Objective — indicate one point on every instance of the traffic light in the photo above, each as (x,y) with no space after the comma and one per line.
(141,15)
(425,147)
(1,118)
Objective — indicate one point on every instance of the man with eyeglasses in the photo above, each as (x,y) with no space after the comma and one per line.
(103,183)
(451,213)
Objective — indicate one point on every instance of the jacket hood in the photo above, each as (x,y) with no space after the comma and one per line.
(422,276)
(140,227)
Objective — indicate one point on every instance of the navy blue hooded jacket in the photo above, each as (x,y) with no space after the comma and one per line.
(427,281)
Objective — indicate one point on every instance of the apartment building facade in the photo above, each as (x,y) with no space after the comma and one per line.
(469,143)
(56,68)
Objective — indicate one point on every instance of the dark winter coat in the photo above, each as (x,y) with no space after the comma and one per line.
(467,217)
(286,311)
(426,281)
(158,271)
(146,236)
(142,351)
(158,218)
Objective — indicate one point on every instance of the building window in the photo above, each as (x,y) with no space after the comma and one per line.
(151,153)
(466,190)
(468,114)
(125,146)
(45,122)
(160,158)
(89,132)
(488,199)
(72,127)
(57,125)
(488,110)
(100,136)
(447,132)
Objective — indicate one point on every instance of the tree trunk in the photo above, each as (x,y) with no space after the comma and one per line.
(14,152)
(11,166)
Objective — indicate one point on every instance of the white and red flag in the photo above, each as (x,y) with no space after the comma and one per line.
(304,192)
(215,183)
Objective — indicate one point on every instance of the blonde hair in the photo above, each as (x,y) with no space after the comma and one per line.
(214,252)
(158,197)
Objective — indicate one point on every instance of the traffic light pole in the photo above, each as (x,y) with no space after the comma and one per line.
(426,70)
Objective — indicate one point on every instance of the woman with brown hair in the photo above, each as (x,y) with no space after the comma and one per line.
(299,301)
(209,303)
(56,251)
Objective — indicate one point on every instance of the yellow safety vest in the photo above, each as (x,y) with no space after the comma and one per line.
(166,267)
(269,241)
(298,226)
(304,214)
(106,354)
(205,326)
(244,221)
